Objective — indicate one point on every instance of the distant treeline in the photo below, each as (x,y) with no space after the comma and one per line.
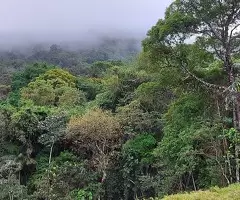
(75,57)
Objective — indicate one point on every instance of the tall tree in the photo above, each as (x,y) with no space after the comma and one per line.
(211,27)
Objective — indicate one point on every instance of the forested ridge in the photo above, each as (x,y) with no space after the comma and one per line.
(115,122)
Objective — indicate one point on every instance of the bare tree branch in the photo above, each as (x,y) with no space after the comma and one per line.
(210,85)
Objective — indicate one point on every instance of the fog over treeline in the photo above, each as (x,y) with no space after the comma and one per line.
(75,24)
(25,42)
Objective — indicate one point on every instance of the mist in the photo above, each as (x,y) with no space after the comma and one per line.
(28,22)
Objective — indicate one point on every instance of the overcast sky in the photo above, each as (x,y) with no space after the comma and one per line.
(50,17)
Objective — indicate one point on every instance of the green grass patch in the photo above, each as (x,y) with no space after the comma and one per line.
(231,192)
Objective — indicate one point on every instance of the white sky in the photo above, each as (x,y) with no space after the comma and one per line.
(79,15)
(36,21)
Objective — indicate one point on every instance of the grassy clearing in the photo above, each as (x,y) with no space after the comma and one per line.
(231,192)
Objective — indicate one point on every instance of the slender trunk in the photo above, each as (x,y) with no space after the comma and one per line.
(237,148)
(235,125)
(19,177)
(218,109)
(225,149)
(237,163)
(10,196)
(194,185)
(228,161)
(236,114)
(103,176)
(229,168)
(180,184)
(49,166)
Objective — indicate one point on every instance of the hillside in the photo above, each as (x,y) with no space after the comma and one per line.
(111,122)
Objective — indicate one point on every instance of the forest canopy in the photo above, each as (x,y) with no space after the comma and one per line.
(114,122)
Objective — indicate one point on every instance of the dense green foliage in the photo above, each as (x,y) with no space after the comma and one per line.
(91,124)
